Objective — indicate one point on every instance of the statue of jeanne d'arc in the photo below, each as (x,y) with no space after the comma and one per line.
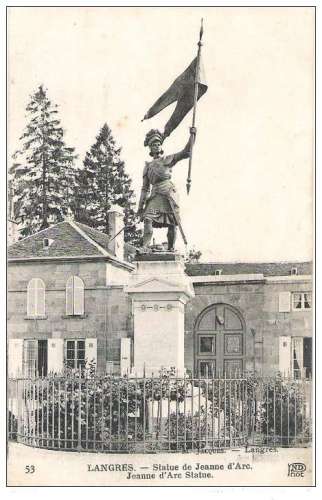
(159,206)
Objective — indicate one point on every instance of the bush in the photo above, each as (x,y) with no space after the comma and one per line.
(12,426)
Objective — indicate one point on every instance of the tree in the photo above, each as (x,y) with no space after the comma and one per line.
(102,183)
(43,169)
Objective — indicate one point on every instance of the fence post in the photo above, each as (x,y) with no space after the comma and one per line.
(79,441)
(19,409)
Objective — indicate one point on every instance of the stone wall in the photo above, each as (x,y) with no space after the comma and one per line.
(108,310)
(106,306)
(275,324)
(258,303)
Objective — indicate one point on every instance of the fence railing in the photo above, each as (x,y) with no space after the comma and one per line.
(165,413)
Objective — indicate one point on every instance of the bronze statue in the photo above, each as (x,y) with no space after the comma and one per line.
(160,207)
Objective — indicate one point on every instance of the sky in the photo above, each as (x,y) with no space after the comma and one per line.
(252,173)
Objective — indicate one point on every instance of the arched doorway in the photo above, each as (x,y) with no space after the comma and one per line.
(219,341)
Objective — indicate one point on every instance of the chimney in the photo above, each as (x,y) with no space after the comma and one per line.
(116,224)
(12,225)
(10,200)
(13,232)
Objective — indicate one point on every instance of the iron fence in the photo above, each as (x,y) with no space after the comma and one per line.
(164,413)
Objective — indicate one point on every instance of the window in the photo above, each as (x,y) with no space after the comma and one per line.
(47,242)
(307,357)
(294,271)
(35,357)
(297,357)
(301,357)
(301,300)
(36,298)
(74,296)
(218,272)
(207,344)
(75,353)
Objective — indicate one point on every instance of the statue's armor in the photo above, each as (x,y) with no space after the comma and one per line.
(155,204)
(159,205)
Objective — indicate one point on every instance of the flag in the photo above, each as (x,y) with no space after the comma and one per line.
(182,90)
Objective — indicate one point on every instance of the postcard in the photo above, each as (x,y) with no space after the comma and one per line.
(160,262)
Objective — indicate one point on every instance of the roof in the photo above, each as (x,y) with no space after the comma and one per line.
(103,240)
(265,268)
(100,238)
(69,239)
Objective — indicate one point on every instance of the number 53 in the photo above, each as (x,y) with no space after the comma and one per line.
(30,469)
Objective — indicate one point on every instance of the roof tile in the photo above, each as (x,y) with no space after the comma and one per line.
(66,242)
(100,238)
(267,269)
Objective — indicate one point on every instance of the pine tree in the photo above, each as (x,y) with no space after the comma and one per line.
(43,170)
(103,182)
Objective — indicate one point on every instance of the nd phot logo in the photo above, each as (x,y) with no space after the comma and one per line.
(296,469)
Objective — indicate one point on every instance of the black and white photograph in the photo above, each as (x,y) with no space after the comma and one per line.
(160,245)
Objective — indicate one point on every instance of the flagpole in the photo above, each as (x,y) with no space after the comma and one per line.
(195,103)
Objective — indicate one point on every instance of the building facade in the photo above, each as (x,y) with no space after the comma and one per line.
(68,306)
(250,317)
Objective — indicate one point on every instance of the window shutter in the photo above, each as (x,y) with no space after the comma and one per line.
(74,296)
(69,296)
(78,296)
(285,352)
(40,297)
(15,355)
(55,355)
(284,302)
(30,357)
(91,351)
(125,356)
(31,298)
(36,297)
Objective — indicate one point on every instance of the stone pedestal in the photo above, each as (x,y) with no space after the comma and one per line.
(160,289)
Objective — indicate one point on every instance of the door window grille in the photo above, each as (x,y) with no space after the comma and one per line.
(206,369)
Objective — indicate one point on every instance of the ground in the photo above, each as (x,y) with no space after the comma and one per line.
(31,466)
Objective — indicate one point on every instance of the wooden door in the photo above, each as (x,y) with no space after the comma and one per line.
(219,342)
